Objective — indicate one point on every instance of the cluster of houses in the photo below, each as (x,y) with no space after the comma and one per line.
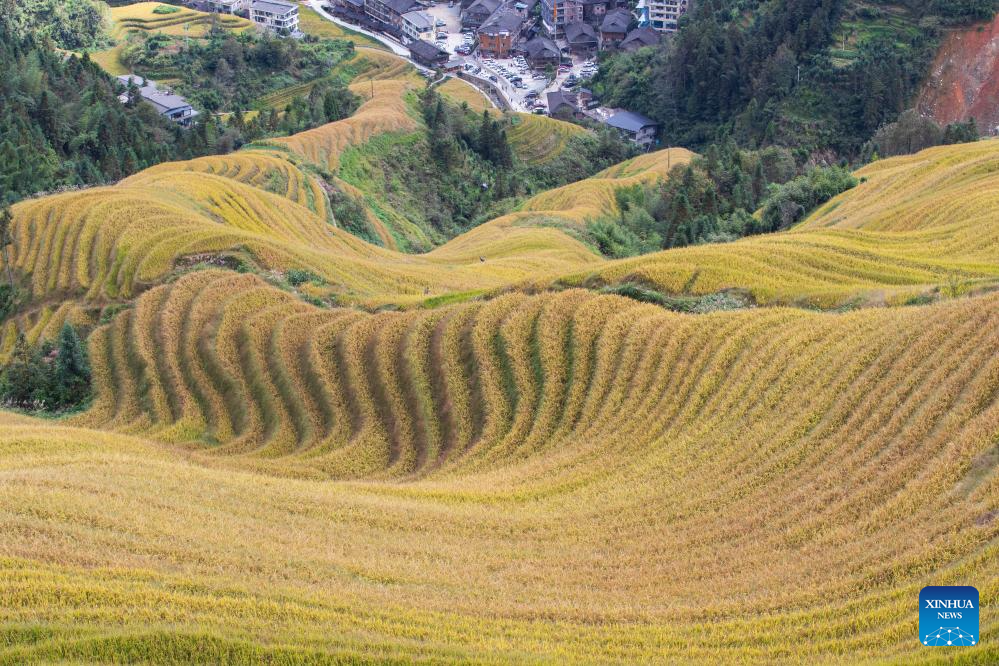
(508,27)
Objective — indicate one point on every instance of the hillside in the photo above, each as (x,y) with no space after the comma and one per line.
(963,81)
(619,502)
(306,448)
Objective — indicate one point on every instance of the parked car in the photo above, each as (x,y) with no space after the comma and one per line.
(440,24)
(494,78)
(540,111)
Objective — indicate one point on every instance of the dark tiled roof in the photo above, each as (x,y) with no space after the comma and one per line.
(538,45)
(640,37)
(502,22)
(425,50)
(163,100)
(484,6)
(401,6)
(616,21)
(580,32)
(630,121)
(559,98)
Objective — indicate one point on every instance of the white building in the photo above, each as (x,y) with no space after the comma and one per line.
(662,15)
(228,6)
(275,15)
(418,25)
(169,105)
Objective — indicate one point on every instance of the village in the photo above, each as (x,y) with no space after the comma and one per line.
(533,56)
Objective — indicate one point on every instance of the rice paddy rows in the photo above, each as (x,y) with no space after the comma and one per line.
(383,111)
(648,483)
(539,139)
(140,16)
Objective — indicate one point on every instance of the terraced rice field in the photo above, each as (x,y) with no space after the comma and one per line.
(460,92)
(185,22)
(570,477)
(140,18)
(918,224)
(313,24)
(538,139)
(541,475)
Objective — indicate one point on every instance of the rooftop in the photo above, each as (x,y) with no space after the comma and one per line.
(502,22)
(538,45)
(401,6)
(422,20)
(273,6)
(487,6)
(426,50)
(580,32)
(560,98)
(640,37)
(164,100)
(630,121)
(616,21)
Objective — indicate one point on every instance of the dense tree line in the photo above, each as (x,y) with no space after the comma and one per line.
(765,72)
(463,171)
(327,102)
(913,132)
(62,125)
(49,377)
(713,199)
(70,24)
(228,72)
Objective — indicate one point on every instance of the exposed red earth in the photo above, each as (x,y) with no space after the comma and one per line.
(964,80)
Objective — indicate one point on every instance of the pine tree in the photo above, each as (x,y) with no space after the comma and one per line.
(71,383)
(6,223)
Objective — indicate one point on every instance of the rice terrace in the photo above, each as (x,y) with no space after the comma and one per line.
(369,370)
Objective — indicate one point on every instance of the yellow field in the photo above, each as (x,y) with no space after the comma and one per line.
(524,475)
(140,18)
(313,24)
(538,139)
(737,487)
(459,91)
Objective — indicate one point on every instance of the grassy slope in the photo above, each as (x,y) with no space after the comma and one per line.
(314,24)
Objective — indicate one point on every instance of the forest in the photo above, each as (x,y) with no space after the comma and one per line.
(821,76)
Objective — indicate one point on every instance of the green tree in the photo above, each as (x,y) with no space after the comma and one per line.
(6,224)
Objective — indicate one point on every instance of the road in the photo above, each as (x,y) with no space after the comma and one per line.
(397,48)
(513,96)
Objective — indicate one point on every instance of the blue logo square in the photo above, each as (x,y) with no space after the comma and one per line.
(948,616)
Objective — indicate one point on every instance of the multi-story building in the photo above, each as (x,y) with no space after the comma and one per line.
(662,15)
(499,33)
(389,11)
(227,6)
(275,15)
(635,127)
(556,14)
(418,25)
(168,105)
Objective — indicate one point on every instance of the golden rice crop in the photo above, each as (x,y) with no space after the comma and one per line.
(314,24)
(539,139)
(459,92)
(384,110)
(686,468)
